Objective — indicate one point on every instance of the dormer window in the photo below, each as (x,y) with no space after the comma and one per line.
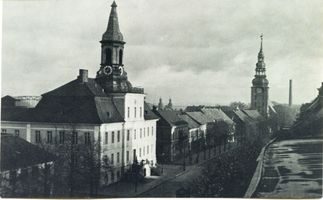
(108,114)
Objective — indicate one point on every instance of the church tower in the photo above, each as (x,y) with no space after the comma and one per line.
(111,75)
(259,89)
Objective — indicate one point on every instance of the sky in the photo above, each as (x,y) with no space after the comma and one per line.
(193,51)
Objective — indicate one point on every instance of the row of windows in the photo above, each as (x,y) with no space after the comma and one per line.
(62,137)
(142,152)
(142,133)
(17,132)
(145,150)
(135,112)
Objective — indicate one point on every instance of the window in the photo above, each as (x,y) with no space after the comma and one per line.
(87,138)
(152,131)
(118,157)
(108,58)
(112,158)
(112,176)
(108,114)
(139,152)
(128,112)
(148,131)
(127,156)
(147,149)
(144,132)
(74,137)
(140,133)
(61,137)
(140,111)
(135,134)
(112,137)
(151,148)
(3,130)
(120,56)
(144,151)
(17,133)
(135,112)
(118,137)
(128,135)
(49,137)
(106,138)
(37,136)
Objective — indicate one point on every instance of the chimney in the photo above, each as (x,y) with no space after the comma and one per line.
(83,76)
(290,102)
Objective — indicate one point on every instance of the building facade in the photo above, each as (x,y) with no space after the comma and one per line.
(105,113)
(259,89)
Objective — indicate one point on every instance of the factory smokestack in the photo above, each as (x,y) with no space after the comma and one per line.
(290,93)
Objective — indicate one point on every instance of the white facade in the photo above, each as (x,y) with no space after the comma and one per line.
(119,141)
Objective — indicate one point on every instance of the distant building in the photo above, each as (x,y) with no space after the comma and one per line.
(259,89)
(218,115)
(172,136)
(105,115)
(25,169)
(194,131)
(249,125)
(310,120)
(169,106)
(20,101)
(160,104)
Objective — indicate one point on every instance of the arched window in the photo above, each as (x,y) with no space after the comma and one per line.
(108,58)
(120,56)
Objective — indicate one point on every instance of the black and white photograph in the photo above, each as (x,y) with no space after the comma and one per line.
(161,99)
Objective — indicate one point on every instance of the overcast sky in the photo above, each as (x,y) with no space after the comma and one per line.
(194,51)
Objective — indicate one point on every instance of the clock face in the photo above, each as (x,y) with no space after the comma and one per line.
(107,70)
(121,70)
(259,90)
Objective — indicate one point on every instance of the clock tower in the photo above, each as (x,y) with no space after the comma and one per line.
(111,75)
(259,89)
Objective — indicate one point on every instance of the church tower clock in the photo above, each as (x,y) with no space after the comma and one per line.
(259,89)
(111,75)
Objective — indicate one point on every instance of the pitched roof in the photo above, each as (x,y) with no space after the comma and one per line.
(242,116)
(76,88)
(191,123)
(148,113)
(254,114)
(217,115)
(18,153)
(171,117)
(12,113)
(199,117)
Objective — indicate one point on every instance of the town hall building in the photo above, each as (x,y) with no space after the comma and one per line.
(105,111)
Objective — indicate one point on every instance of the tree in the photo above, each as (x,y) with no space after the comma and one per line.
(239,105)
(182,141)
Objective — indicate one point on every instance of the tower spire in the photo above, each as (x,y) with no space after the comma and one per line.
(261,54)
(113,32)
(259,89)
(261,66)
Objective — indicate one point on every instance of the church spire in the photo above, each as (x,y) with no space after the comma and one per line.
(113,32)
(261,66)
(261,54)
(259,89)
